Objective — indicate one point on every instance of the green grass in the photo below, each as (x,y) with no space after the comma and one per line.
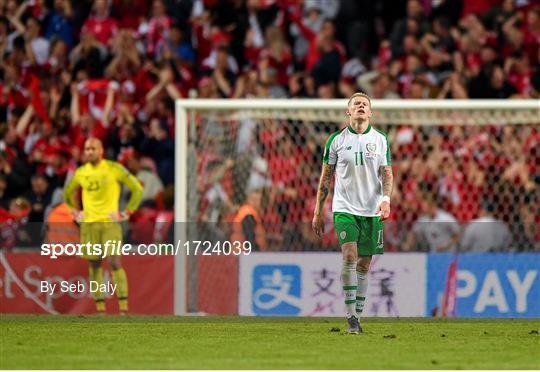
(147,342)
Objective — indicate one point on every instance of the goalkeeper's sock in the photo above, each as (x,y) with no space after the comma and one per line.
(348,278)
(120,279)
(96,275)
(361,291)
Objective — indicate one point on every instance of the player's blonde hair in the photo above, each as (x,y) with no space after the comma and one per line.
(360,94)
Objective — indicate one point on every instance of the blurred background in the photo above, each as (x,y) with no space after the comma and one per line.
(113,69)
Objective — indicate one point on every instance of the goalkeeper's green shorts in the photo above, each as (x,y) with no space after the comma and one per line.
(99,233)
(367,232)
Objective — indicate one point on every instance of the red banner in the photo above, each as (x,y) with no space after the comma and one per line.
(150,283)
(217,284)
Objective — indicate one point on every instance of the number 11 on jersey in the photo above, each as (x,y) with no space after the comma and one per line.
(358,156)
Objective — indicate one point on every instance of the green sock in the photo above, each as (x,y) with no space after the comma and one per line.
(120,279)
(96,275)
(348,277)
(362,280)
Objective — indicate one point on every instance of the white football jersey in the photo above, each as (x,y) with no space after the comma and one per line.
(358,157)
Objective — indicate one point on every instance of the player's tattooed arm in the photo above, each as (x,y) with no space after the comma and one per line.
(322,194)
(388,180)
(324,187)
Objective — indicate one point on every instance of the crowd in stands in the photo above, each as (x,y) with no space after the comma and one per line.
(112,69)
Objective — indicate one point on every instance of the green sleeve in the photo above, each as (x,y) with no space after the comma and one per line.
(327,147)
(136,192)
(388,152)
(70,188)
(123,176)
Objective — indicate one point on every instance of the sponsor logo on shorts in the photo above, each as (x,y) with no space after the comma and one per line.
(343,234)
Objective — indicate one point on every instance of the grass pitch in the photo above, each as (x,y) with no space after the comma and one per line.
(147,342)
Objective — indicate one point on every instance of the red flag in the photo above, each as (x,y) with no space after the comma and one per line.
(41,111)
(6,215)
(449,300)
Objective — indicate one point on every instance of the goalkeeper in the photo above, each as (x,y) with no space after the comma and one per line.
(100,181)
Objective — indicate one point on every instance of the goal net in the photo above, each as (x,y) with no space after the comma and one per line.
(468,157)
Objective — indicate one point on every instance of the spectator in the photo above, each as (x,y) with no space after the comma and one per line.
(532,36)
(58,57)
(130,13)
(126,63)
(323,48)
(418,89)
(127,133)
(100,24)
(59,165)
(88,58)
(39,197)
(4,201)
(143,223)
(13,168)
(37,47)
(454,87)
(485,233)
(499,86)
(164,228)
(246,85)
(313,20)
(247,223)
(329,8)
(276,55)
(216,205)
(268,84)
(180,47)
(151,182)
(61,227)
(435,231)
(495,17)
(378,85)
(158,27)
(13,223)
(165,84)
(530,219)
(223,76)
(160,147)
(413,24)
(60,23)
(519,74)
(207,89)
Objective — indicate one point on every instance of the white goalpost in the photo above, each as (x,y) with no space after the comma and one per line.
(387,113)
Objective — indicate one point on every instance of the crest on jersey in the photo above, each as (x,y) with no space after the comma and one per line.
(343,234)
(371,147)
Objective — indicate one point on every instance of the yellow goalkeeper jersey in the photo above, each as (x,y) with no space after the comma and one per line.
(101,186)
